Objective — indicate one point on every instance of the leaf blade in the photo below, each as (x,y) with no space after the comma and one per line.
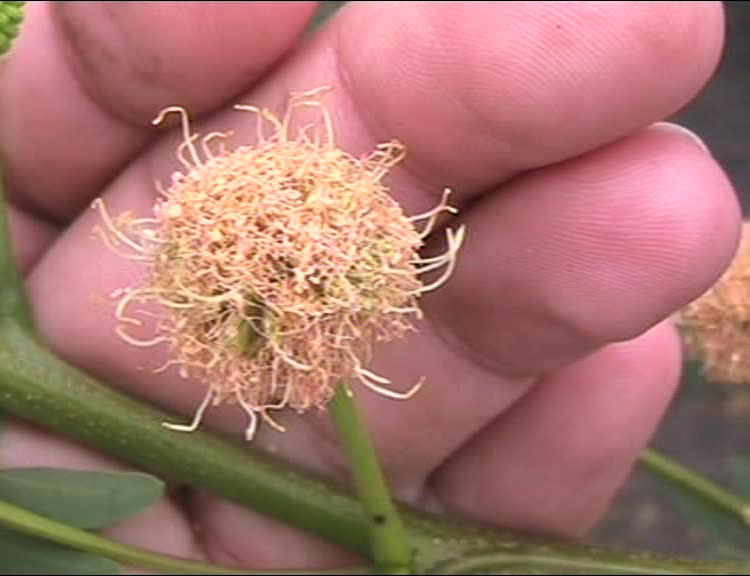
(89,500)
(21,554)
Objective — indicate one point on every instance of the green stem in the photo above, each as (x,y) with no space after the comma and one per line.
(13,302)
(486,563)
(391,551)
(689,480)
(35,525)
(38,386)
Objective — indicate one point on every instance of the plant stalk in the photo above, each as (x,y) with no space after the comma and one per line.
(682,477)
(391,551)
(35,525)
(38,386)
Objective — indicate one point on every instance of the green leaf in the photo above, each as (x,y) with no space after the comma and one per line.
(21,554)
(11,15)
(90,500)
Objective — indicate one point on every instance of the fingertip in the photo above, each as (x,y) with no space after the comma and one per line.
(587,252)
(707,210)
(570,444)
(523,84)
(675,237)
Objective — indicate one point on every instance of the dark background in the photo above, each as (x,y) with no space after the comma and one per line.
(709,423)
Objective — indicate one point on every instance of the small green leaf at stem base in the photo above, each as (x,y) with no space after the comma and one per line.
(91,500)
(21,554)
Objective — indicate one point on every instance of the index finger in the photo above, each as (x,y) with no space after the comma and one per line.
(84,79)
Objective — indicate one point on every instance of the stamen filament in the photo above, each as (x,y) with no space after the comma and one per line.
(187,138)
(197,417)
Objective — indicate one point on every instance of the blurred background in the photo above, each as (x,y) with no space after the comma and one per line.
(708,426)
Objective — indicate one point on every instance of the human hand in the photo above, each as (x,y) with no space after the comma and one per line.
(547,364)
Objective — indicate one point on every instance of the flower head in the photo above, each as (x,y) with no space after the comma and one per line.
(278,265)
(716,326)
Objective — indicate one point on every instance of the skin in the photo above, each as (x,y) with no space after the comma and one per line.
(547,356)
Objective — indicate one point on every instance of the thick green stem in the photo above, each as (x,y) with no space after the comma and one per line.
(36,525)
(686,479)
(36,385)
(391,551)
(486,563)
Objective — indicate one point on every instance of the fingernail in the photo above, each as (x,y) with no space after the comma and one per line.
(685,132)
